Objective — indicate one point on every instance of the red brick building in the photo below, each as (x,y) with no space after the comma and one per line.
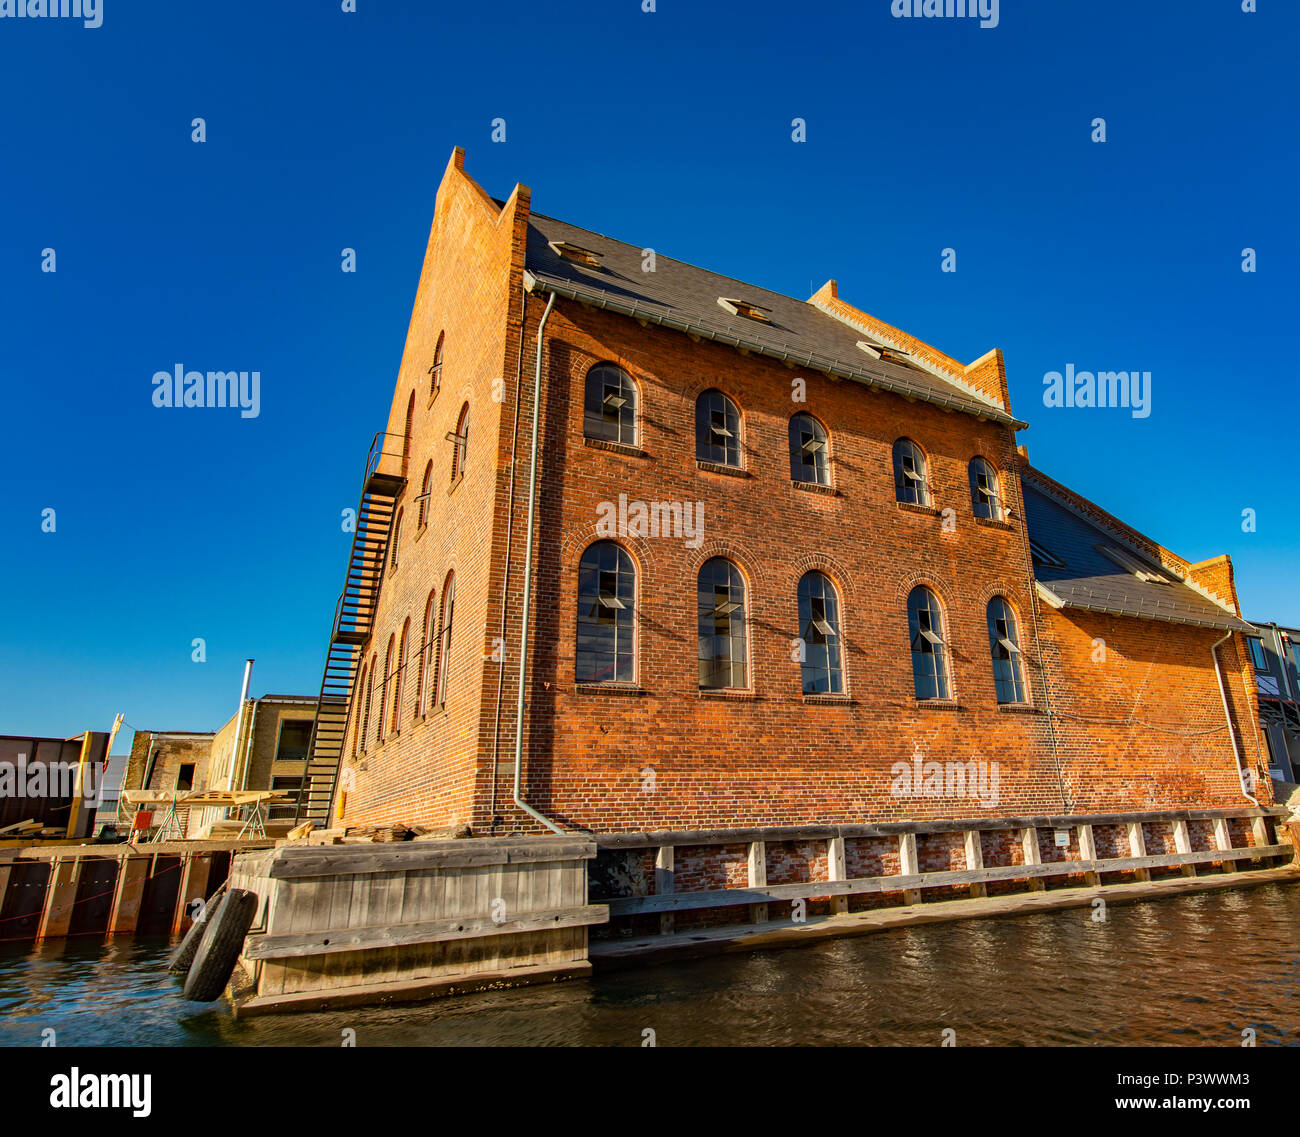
(783,559)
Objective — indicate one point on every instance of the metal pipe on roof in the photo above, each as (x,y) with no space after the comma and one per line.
(528,581)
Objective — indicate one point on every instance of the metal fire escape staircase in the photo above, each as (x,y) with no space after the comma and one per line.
(353,623)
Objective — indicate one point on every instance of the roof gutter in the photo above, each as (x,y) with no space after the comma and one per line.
(528,582)
(605,301)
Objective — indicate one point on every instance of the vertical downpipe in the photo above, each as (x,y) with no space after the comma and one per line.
(528,583)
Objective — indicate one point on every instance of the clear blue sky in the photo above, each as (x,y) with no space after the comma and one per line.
(329,130)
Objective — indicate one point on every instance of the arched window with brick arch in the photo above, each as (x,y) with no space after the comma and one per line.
(606,615)
(442,673)
(1004,646)
(717,429)
(361,701)
(386,690)
(427,640)
(422,518)
(370,687)
(925,626)
(395,540)
(399,678)
(985,495)
(609,413)
(721,606)
(435,372)
(810,459)
(911,483)
(819,634)
(407,431)
(460,445)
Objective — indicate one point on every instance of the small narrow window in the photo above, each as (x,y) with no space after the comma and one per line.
(721,602)
(435,372)
(1257,656)
(984,496)
(819,632)
(427,638)
(910,481)
(1040,556)
(809,451)
(460,444)
(185,776)
(606,615)
(361,698)
(717,429)
(929,651)
(406,433)
(382,726)
(399,678)
(1004,644)
(422,519)
(746,309)
(576,253)
(610,408)
(397,538)
(442,680)
(370,686)
(1134,564)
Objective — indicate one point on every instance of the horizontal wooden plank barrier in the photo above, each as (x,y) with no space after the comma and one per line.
(655,839)
(345,860)
(431,931)
(727,897)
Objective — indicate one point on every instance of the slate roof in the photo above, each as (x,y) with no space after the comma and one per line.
(681,296)
(1091,581)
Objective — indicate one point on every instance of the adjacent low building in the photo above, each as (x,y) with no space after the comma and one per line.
(263,747)
(1275,657)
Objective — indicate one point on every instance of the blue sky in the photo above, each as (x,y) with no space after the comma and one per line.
(671,129)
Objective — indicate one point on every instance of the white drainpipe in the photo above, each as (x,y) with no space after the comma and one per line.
(1227,716)
(528,577)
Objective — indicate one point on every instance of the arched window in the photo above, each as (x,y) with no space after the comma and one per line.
(382,724)
(819,632)
(809,451)
(425,486)
(435,372)
(985,499)
(460,451)
(362,703)
(910,481)
(443,669)
(396,539)
(929,651)
(610,407)
(406,433)
(370,687)
(722,624)
(717,429)
(606,615)
(1004,644)
(399,677)
(427,639)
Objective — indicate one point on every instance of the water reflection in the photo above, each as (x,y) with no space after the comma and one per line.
(1196,970)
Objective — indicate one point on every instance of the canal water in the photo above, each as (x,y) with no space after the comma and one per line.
(1196,970)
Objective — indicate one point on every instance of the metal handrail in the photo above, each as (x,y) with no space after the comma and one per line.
(377,453)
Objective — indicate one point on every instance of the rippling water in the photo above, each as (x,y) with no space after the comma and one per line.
(1196,970)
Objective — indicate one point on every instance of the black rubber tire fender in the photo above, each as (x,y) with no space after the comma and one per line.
(219,949)
(183,956)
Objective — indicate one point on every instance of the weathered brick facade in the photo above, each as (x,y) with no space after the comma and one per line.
(1142,729)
